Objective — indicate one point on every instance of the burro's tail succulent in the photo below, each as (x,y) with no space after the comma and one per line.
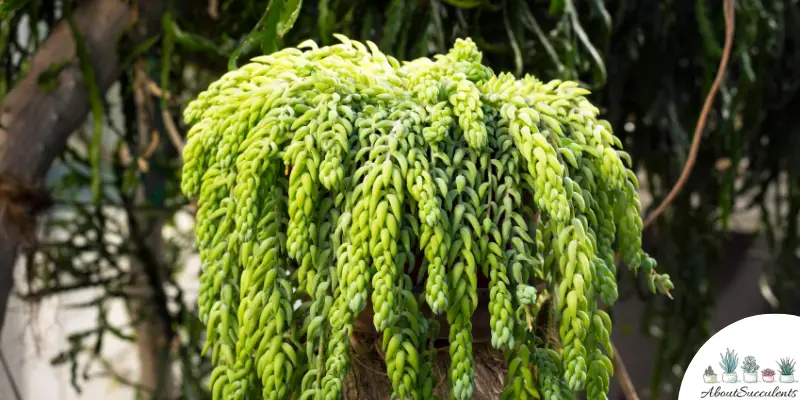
(323,174)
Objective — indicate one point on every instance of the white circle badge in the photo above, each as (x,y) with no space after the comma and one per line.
(755,358)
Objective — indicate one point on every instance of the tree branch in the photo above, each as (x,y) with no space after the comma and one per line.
(730,24)
(35,122)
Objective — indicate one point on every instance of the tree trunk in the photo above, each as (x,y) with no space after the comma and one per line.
(154,333)
(35,122)
(152,340)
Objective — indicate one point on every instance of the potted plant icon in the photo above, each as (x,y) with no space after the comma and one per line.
(729,363)
(750,369)
(709,376)
(768,375)
(786,367)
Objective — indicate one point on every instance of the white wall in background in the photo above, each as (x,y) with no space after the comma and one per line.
(32,336)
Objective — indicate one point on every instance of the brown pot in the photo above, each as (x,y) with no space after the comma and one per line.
(481,330)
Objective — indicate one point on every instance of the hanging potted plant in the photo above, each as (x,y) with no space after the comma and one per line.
(357,221)
(750,369)
(729,363)
(768,375)
(709,376)
(786,366)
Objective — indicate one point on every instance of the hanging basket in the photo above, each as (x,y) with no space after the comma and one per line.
(481,331)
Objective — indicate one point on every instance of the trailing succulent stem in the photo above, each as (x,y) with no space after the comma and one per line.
(326,175)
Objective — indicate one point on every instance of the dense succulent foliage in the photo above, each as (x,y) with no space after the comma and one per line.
(338,176)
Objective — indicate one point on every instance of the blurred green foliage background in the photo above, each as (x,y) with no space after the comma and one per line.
(649,64)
